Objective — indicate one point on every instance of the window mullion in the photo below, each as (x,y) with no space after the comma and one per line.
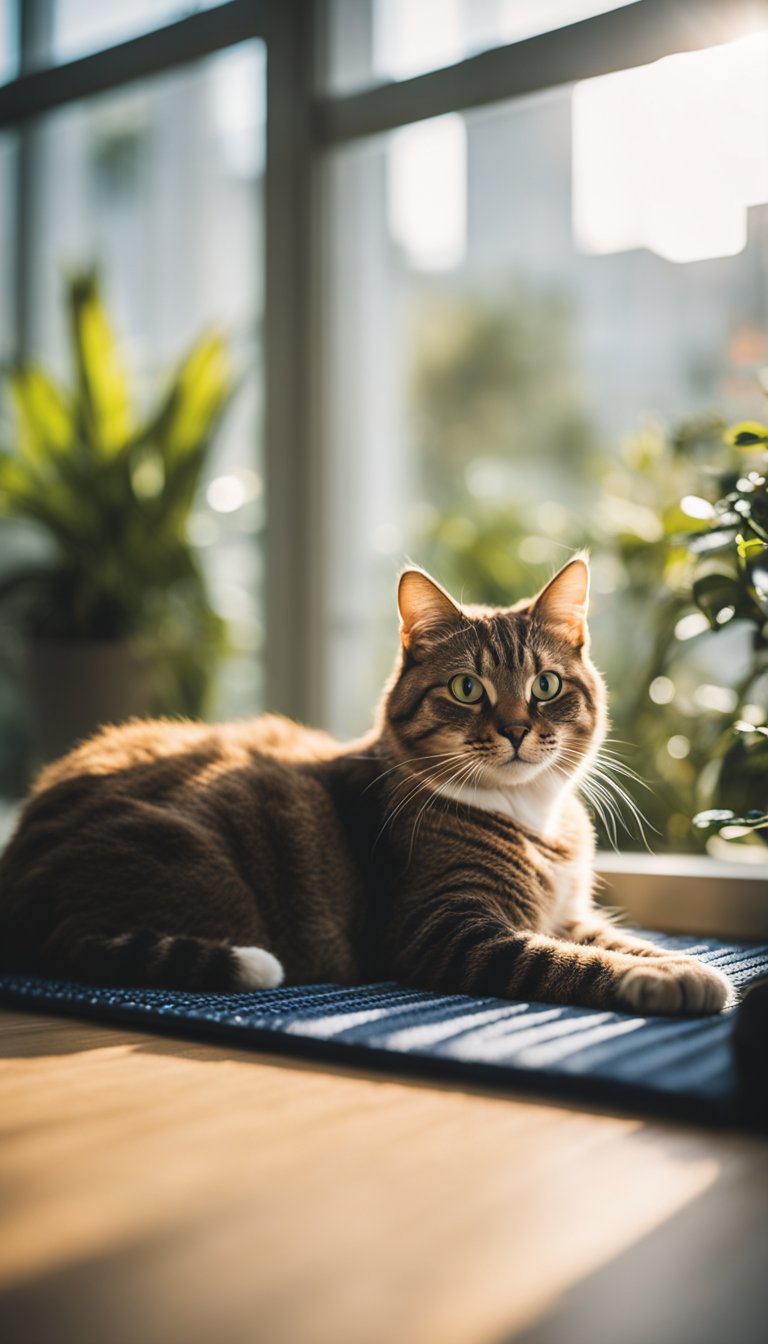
(292,476)
(35,32)
(636,34)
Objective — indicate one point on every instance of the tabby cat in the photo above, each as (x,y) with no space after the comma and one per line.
(448,850)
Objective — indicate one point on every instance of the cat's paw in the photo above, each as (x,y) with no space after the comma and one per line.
(256,968)
(675,986)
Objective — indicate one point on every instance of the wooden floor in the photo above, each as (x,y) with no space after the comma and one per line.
(155,1192)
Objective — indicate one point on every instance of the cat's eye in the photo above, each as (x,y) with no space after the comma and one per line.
(546,686)
(467,690)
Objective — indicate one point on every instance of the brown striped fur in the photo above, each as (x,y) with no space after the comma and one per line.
(448,849)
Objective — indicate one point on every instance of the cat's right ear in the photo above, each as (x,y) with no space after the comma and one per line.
(423,606)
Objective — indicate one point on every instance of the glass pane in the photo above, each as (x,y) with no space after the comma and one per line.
(500,393)
(83,26)
(371,41)
(8,41)
(159,187)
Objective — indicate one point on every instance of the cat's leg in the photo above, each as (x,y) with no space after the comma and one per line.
(456,946)
(595,931)
(680,984)
(146,957)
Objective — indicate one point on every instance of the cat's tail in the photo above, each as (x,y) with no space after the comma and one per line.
(146,958)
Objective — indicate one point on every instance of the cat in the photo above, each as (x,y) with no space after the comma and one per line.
(448,850)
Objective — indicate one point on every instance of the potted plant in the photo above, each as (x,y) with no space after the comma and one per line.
(731,583)
(113,606)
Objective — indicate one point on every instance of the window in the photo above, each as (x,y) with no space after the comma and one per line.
(82,26)
(370,41)
(159,185)
(476,352)
(513,373)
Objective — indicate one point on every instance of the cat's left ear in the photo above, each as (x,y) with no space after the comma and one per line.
(424,606)
(563,602)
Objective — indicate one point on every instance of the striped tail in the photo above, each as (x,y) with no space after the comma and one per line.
(146,958)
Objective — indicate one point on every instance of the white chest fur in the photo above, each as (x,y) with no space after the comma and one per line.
(538,805)
(547,809)
(571,885)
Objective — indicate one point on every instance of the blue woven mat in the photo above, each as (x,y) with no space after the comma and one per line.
(672,1066)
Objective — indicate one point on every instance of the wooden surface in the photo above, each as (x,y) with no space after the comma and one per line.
(155,1191)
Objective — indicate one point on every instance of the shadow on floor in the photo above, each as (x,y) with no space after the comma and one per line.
(701,1276)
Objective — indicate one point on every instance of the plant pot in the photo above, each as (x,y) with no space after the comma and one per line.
(74,686)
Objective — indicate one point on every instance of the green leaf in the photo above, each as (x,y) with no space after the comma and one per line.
(43,419)
(716,816)
(755,818)
(200,389)
(749,547)
(741,726)
(713,592)
(113,501)
(101,377)
(15,483)
(746,434)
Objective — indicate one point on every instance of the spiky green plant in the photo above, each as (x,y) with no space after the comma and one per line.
(111,492)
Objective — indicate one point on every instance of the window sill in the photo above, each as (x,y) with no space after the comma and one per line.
(687,893)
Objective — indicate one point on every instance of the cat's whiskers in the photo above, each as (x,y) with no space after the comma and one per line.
(626,798)
(430,771)
(466,783)
(432,795)
(595,802)
(601,769)
(613,761)
(607,809)
(598,783)
(401,765)
(414,776)
(428,777)
(604,771)
(437,778)
(595,793)
(461,776)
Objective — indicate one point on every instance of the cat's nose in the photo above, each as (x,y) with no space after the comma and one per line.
(515,733)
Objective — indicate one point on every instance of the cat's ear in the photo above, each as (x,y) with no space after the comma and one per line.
(563,602)
(423,605)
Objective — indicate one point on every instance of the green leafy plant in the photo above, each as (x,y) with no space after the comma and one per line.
(513,474)
(517,476)
(731,584)
(108,494)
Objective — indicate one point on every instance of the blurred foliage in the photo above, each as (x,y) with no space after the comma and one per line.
(493,381)
(731,585)
(516,478)
(107,495)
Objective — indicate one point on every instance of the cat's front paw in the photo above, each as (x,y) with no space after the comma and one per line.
(675,986)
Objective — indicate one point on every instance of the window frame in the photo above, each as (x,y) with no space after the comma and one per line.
(304,126)
(287,33)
